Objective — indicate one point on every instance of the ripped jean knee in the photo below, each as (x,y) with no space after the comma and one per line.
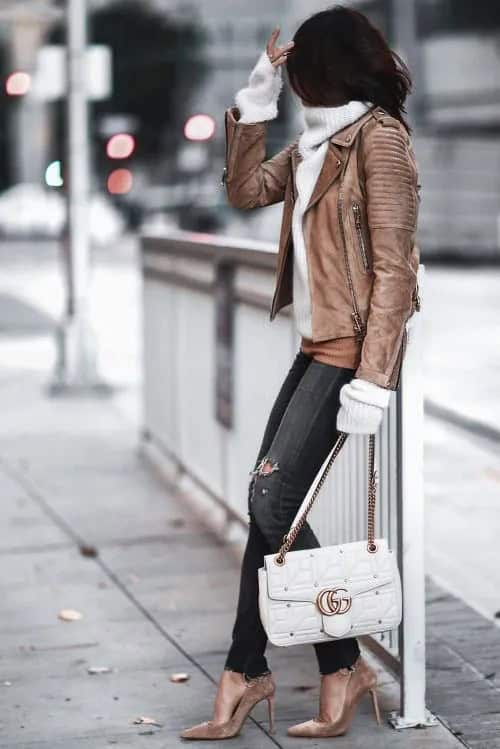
(265,467)
(264,499)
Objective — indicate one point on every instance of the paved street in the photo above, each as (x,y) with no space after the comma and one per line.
(159,596)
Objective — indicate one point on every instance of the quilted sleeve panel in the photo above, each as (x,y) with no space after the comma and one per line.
(392,200)
(391,178)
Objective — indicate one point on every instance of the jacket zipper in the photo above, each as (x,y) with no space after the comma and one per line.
(396,370)
(416,297)
(402,349)
(359,327)
(361,240)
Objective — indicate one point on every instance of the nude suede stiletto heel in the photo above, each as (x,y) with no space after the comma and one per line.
(340,706)
(258,689)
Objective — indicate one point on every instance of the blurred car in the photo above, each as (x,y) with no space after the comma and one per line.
(30,211)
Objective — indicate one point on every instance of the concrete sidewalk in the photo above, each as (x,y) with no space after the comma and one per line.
(157,599)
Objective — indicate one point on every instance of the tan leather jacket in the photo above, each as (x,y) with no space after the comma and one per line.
(359,230)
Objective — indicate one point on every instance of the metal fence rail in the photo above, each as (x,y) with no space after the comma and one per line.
(212,367)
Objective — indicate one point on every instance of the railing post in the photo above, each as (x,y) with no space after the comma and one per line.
(411,532)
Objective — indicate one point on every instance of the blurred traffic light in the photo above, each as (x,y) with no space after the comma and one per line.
(18,83)
(120,181)
(199,127)
(120,146)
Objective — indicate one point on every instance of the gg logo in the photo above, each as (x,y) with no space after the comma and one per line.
(334,601)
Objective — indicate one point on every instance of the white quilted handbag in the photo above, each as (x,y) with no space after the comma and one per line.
(331,592)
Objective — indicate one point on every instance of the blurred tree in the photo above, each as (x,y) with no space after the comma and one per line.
(158,64)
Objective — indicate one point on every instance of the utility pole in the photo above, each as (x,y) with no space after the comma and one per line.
(76,369)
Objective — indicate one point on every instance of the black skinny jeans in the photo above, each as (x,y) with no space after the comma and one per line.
(300,432)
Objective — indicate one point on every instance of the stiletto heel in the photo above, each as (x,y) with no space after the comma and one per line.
(376,710)
(257,689)
(339,702)
(270,708)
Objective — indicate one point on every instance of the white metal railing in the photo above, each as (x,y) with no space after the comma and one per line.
(207,337)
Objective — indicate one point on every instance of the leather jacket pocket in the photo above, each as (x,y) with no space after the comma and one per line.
(361,238)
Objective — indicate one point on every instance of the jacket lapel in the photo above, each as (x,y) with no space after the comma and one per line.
(330,170)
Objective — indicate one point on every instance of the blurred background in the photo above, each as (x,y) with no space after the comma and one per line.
(160,75)
(113,220)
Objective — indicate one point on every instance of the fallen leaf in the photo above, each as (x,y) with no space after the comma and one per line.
(179,678)
(69,615)
(144,721)
(86,550)
(99,670)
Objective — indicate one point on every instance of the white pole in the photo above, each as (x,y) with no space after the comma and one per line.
(76,368)
(411,525)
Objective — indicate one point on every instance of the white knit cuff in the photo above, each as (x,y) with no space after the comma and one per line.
(358,418)
(362,405)
(369,393)
(258,101)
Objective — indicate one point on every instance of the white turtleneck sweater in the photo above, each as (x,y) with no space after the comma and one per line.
(363,401)
(320,124)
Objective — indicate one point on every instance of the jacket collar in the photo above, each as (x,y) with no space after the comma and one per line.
(344,137)
(334,157)
(347,135)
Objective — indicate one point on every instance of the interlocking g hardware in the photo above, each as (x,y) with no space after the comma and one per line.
(330,604)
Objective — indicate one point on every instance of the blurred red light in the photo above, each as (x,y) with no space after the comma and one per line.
(18,84)
(120,146)
(120,181)
(199,127)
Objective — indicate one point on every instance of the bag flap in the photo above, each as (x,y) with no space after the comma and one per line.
(308,571)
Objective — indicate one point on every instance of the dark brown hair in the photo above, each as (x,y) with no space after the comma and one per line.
(339,55)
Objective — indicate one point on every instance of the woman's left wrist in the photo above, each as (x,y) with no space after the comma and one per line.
(258,101)
(369,392)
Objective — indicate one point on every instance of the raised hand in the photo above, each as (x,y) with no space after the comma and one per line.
(277,54)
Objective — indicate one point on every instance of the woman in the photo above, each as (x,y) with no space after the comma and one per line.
(348,261)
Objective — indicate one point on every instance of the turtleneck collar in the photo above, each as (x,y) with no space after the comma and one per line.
(320,123)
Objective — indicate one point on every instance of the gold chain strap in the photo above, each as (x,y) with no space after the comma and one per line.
(372,494)
(292,534)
